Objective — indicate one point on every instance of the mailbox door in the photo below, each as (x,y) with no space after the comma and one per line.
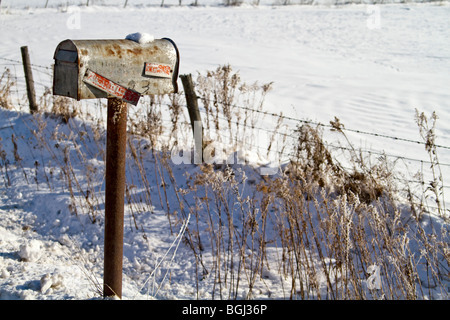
(65,73)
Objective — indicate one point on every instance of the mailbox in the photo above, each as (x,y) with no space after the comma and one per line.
(122,71)
(125,69)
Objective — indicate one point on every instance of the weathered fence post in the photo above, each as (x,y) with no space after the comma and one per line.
(29,79)
(116,138)
(194,115)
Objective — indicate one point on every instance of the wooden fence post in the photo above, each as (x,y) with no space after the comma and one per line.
(29,79)
(194,115)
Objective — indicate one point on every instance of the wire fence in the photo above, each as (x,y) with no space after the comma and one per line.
(19,4)
(285,136)
(358,131)
(289,132)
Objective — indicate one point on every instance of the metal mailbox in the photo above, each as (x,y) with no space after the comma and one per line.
(125,69)
(121,71)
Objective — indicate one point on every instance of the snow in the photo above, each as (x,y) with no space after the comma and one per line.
(140,37)
(368,66)
(30,251)
(51,281)
(374,280)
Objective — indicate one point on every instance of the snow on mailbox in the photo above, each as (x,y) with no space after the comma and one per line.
(124,69)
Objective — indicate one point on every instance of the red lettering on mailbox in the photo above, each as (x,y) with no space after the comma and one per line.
(158,70)
(111,87)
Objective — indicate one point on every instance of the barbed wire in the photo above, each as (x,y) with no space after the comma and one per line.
(384,154)
(375,152)
(291,136)
(17,62)
(272,114)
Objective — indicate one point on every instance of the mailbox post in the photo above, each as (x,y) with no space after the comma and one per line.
(116,139)
(121,71)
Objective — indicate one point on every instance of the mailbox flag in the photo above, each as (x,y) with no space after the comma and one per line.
(111,87)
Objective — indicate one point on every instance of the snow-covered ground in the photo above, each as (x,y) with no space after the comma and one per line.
(370,66)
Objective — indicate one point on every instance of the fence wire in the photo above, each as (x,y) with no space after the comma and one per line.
(43,79)
(63,4)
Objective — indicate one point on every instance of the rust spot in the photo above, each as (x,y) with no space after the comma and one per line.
(135,51)
(110,52)
(118,49)
(84,52)
(113,50)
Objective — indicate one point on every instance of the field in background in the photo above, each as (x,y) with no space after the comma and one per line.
(124,3)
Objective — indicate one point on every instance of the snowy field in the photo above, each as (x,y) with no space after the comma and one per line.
(369,66)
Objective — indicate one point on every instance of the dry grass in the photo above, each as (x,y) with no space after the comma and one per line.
(6,85)
(325,231)
(331,228)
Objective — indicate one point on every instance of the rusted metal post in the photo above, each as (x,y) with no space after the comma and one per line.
(114,196)
(29,79)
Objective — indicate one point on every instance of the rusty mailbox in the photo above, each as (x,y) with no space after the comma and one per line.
(125,69)
(121,71)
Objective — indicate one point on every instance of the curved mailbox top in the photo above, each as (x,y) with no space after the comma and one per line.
(88,69)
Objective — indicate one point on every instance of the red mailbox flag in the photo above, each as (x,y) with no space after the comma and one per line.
(111,87)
